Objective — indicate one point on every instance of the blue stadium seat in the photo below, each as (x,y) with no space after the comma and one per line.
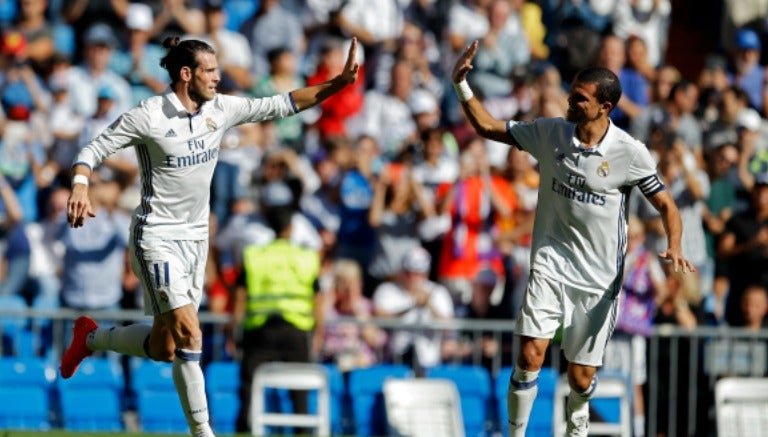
(26,372)
(12,327)
(338,398)
(238,11)
(91,409)
(24,408)
(540,423)
(365,392)
(222,384)
(98,384)
(159,408)
(474,386)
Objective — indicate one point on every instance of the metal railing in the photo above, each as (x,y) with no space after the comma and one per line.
(683,365)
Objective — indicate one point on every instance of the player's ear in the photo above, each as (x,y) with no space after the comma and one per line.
(185,74)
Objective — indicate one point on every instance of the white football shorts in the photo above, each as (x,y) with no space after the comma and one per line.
(171,273)
(587,316)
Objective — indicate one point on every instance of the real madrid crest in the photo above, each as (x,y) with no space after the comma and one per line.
(604,169)
(211,124)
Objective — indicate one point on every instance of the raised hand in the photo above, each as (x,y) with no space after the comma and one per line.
(349,75)
(464,63)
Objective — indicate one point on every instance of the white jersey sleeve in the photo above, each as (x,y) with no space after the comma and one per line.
(251,110)
(531,136)
(642,171)
(124,132)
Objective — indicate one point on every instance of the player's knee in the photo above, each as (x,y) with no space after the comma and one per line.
(164,353)
(581,380)
(531,359)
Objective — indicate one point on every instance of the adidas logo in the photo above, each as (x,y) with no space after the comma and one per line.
(170,133)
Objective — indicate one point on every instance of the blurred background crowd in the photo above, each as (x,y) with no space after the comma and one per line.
(414,216)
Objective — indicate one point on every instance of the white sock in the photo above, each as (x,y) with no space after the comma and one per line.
(639,425)
(577,407)
(129,340)
(190,384)
(523,387)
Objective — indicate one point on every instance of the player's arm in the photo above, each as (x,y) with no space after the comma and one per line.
(121,133)
(670,216)
(484,123)
(310,96)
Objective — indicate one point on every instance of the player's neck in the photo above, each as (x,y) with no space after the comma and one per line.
(591,133)
(190,104)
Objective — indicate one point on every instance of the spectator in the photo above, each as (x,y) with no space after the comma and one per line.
(38,33)
(19,84)
(94,73)
(335,111)
(138,61)
(398,211)
(612,55)
(175,18)
(754,306)
(348,345)
(719,209)
(66,127)
(745,71)
(283,77)
(356,238)
(234,53)
(743,246)
(272,27)
(377,24)
(413,299)
(644,286)
(14,246)
(47,249)
(646,20)
(276,303)
(80,15)
(503,48)
(486,304)
(21,155)
(386,116)
(475,203)
(96,252)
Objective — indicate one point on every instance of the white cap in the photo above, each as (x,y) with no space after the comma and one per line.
(139,17)
(421,102)
(749,119)
(417,260)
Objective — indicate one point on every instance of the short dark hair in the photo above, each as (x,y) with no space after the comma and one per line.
(608,85)
(182,54)
(278,218)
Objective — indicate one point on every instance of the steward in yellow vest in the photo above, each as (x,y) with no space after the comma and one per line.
(275,299)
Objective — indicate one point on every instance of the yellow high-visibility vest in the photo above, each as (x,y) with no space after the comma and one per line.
(280,281)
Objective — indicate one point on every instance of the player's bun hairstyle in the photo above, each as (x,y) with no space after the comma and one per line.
(608,85)
(182,54)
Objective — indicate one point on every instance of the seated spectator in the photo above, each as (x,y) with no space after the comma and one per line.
(138,61)
(398,211)
(96,252)
(21,155)
(94,73)
(413,299)
(348,345)
(743,246)
(38,32)
(14,246)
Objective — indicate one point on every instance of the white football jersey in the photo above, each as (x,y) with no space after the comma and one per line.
(177,153)
(580,230)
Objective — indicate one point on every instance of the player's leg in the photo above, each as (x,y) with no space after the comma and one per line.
(583,381)
(587,327)
(536,324)
(184,327)
(88,337)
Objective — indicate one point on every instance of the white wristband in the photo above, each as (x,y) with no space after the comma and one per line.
(80,179)
(463,91)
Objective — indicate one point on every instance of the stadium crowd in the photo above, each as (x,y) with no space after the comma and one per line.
(413,215)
